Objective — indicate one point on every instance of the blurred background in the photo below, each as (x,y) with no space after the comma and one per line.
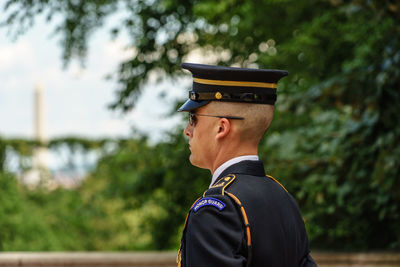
(92,154)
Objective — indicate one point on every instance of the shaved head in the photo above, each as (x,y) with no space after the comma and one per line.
(257,118)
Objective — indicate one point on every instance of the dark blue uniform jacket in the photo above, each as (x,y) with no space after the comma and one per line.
(245,219)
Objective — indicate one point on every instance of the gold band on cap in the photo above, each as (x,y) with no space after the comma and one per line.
(235,83)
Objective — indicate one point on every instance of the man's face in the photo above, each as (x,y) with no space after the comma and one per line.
(201,139)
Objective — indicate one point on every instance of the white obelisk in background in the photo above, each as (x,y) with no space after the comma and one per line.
(41,154)
(39,174)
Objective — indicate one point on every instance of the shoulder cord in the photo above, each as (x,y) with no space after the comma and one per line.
(222,183)
(246,223)
(245,219)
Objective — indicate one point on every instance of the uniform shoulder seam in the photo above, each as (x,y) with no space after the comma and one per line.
(269,176)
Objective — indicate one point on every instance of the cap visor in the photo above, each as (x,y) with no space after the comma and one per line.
(191,105)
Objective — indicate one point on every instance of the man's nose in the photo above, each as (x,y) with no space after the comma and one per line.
(188,130)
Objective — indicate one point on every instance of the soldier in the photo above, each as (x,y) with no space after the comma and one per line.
(245,218)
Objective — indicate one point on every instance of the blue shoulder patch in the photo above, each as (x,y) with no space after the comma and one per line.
(208,201)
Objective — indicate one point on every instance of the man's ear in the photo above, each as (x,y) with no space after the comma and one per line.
(224,127)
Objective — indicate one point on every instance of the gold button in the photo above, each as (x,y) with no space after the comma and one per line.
(218,95)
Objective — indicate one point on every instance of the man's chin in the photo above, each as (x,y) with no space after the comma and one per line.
(195,163)
(192,160)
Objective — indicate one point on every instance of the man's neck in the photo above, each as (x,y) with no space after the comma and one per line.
(229,163)
(226,154)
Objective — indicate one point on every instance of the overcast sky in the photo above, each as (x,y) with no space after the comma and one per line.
(76,99)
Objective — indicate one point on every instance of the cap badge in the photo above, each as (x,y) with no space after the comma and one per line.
(193,96)
(218,95)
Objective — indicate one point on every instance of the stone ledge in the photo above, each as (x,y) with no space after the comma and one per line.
(167,259)
(88,259)
(368,259)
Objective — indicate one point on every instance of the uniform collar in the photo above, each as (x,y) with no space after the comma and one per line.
(232,162)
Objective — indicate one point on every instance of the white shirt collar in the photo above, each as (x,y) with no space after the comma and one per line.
(228,163)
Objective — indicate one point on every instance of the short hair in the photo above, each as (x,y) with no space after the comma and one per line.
(257,118)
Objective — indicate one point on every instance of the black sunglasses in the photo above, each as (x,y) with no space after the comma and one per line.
(193,119)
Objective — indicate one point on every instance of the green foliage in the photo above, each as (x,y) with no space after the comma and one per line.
(339,136)
(136,198)
(151,187)
(27,221)
(2,155)
(334,142)
(10,206)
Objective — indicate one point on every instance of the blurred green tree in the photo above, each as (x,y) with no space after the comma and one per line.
(150,186)
(21,226)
